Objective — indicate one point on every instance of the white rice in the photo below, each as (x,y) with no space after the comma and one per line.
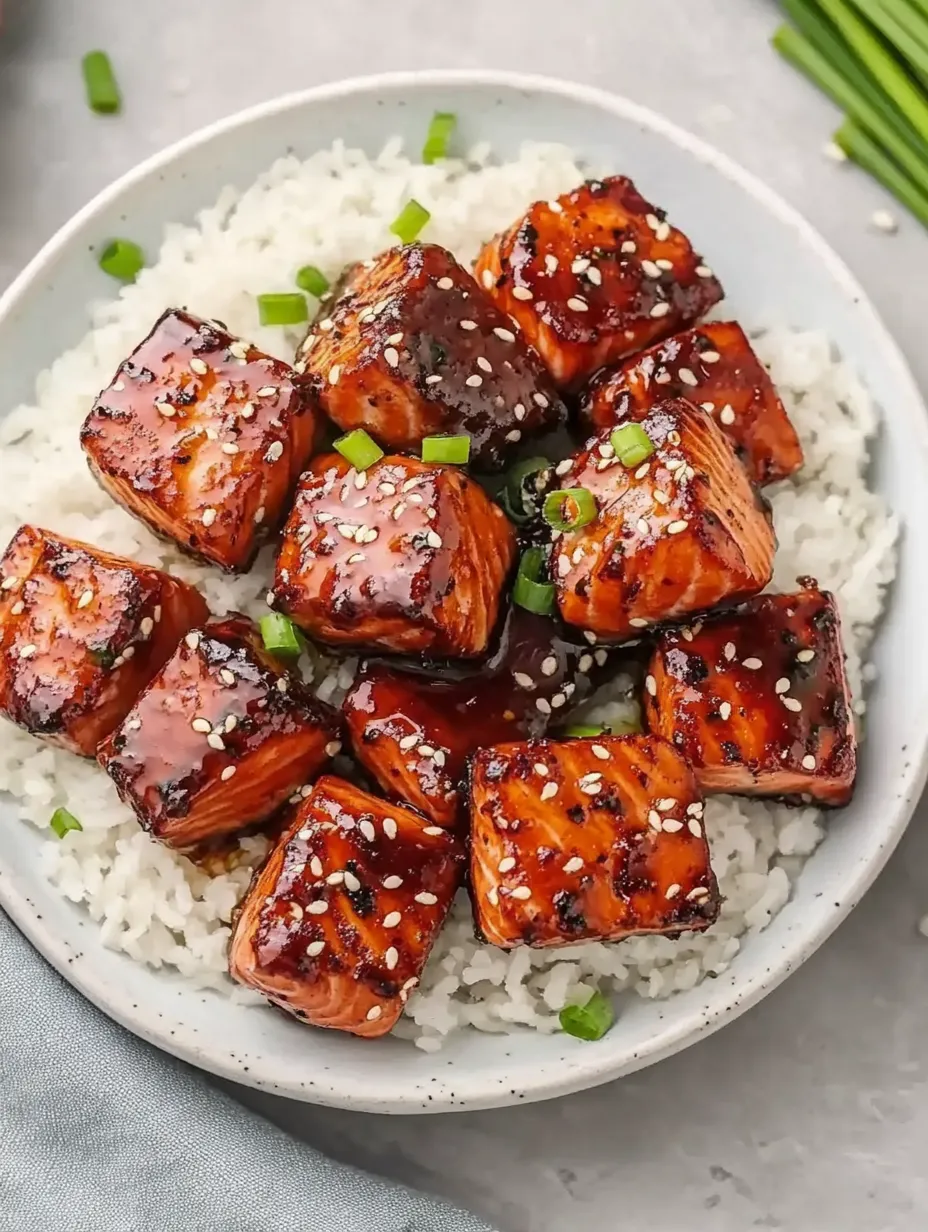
(334,208)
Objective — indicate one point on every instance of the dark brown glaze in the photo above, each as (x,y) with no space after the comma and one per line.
(757,700)
(407,555)
(595,276)
(583,840)
(202,437)
(81,634)
(414,732)
(413,347)
(680,533)
(337,926)
(715,367)
(220,739)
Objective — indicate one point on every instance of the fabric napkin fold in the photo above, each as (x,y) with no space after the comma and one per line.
(100,1132)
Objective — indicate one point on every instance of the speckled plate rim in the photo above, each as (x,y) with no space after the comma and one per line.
(588,1066)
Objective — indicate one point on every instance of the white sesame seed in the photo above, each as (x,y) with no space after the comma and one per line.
(540,768)
(558,700)
(573,865)
(426,750)
(333,748)
(514,435)
(315,866)
(590,787)
(650,269)
(248,410)
(543,705)
(584,663)
(209,516)
(549,666)
(637,622)
(392,356)
(335,879)
(676,527)
(808,762)
(274,451)
(672,891)
(468,324)
(215,741)
(655,820)
(629,246)
(703,271)
(319,906)
(671,825)
(474,381)
(595,276)
(725,710)
(227,773)
(782,685)
(505,334)
(85,599)
(389,827)
(484,363)
(28,651)
(507,864)
(752,664)
(367,829)
(281,684)
(688,377)
(883,220)
(374,1013)
(600,751)
(694,827)
(522,293)
(392,882)
(578,305)
(192,640)
(791,703)
(201,725)
(523,681)
(231,723)
(520,892)
(315,948)
(729,651)
(433,539)
(165,409)
(660,310)
(445,284)
(426,898)
(805,656)
(391,957)
(487,279)
(549,791)
(433,831)
(18,608)
(351,882)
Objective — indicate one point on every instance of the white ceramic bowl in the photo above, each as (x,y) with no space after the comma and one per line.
(775,268)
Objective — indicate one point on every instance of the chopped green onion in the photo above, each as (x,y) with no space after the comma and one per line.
(439,134)
(857,144)
(410,221)
(529,590)
(454,450)
(513,494)
(590,1021)
(62,821)
(359,449)
(122,259)
(280,635)
(283,308)
(100,82)
(618,727)
(312,281)
(569,508)
(631,444)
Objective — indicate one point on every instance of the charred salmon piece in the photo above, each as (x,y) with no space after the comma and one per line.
(407,555)
(414,348)
(757,700)
(714,366)
(221,738)
(82,632)
(580,840)
(680,532)
(595,276)
(338,924)
(202,437)
(414,732)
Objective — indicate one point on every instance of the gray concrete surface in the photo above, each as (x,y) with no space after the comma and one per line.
(811,1113)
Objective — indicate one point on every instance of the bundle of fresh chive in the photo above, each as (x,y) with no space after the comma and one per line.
(871,57)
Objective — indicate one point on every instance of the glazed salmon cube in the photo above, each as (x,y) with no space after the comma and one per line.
(414,348)
(595,276)
(757,700)
(582,840)
(683,531)
(202,437)
(714,366)
(406,555)
(414,733)
(338,924)
(81,633)
(221,738)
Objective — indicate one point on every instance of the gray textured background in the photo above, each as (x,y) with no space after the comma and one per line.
(810,1113)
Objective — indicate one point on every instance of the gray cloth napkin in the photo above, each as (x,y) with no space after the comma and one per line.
(99,1132)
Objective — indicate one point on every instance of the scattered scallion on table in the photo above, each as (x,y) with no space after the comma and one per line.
(281,636)
(122,259)
(282,308)
(533,590)
(359,449)
(453,450)
(632,444)
(436,142)
(590,1021)
(62,822)
(410,221)
(871,58)
(100,83)
(312,281)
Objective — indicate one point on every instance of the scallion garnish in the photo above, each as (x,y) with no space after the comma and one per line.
(514,493)
(281,636)
(100,82)
(62,822)
(282,308)
(631,444)
(122,259)
(618,727)
(569,508)
(439,134)
(359,449)
(454,450)
(531,590)
(410,221)
(312,281)
(590,1021)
